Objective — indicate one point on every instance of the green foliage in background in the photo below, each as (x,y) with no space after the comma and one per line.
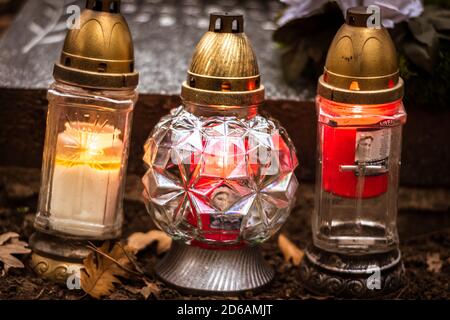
(429,87)
(423,89)
(423,45)
(440,3)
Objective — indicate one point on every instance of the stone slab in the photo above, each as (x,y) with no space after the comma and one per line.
(164,32)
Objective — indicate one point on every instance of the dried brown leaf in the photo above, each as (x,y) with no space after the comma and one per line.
(6,236)
(102,267)
(139,241)
(290,251)
(150,288)
(9,245)
(434,262)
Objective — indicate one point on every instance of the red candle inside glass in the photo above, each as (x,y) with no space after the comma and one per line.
(344,145)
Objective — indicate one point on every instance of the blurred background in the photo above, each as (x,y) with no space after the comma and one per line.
(291,38)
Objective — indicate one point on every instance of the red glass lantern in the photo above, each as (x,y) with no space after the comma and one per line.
(360,118)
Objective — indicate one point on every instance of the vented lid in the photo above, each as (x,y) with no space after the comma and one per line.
(361,65)
(100,53)
(224,70)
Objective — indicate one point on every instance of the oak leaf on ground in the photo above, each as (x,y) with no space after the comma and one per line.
(103,267)
(10,245)
(290,251)
(139,241)
(150,288)
(434,262)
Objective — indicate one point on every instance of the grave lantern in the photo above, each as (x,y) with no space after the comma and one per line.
(87,140)
(220,174)
(360,117)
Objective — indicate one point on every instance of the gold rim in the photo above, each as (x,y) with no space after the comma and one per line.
(54,270)
(95,80)
(215,98)
(360,97)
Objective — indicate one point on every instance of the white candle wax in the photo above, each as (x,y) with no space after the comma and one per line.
(86,180)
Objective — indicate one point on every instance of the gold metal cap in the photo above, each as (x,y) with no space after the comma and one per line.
(224,70)
(361,65)
(100,53)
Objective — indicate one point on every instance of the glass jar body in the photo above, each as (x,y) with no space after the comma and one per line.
(357,176)
(219,178)
(84,161)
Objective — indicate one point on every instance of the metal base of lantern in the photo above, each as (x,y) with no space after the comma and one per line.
(55,258)
(352,276)
(54,270)
(196,270)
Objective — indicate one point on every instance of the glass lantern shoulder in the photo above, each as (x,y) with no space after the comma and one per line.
(60,92)
(337,114)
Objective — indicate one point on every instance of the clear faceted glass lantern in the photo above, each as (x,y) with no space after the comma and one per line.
(220,180)
(220,174)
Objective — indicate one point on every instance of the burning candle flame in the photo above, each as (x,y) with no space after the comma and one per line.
(93,144)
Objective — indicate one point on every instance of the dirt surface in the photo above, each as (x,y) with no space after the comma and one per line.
(422,233)
(18,215)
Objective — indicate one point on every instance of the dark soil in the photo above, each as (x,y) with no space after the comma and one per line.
(18,215)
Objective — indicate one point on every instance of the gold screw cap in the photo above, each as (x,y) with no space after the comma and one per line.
(361,65)
(100,53)
(224,70)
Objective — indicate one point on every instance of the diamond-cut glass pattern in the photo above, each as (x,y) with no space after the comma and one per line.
(219,180)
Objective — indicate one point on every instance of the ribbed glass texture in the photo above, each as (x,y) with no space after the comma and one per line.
(84,161)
